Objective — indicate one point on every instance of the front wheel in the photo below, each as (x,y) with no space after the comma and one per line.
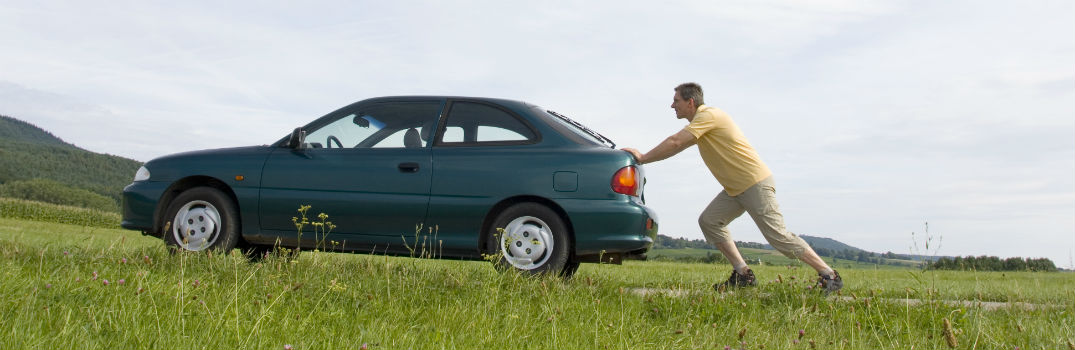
(530,237)
(202,218)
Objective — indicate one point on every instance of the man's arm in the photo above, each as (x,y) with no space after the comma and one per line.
(669,147)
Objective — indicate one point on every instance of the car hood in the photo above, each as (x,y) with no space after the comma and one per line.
(219,163)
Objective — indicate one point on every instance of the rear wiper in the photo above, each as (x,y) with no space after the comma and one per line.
(595,134)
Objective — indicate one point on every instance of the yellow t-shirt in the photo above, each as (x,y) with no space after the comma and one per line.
(726,152)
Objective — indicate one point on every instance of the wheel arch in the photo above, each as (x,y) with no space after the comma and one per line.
(490,216)
(188,183)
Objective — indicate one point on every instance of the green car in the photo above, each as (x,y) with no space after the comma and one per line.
(451,177)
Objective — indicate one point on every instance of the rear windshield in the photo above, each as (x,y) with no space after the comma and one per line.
(581,132)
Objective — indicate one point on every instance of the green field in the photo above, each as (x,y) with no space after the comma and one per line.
(54,295)
(768,257)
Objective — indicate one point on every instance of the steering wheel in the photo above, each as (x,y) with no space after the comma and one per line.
(330,140)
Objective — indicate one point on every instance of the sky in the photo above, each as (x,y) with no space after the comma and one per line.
(876,117)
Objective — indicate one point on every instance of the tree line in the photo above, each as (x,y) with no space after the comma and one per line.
(992,263)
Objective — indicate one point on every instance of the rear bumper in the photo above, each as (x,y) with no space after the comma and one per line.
(611,226)
(140,205)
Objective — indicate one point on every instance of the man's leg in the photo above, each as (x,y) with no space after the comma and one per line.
(714,222)
(760,201)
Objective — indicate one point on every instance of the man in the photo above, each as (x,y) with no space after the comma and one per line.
(748,186)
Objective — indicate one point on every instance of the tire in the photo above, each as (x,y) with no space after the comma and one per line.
(202,218)
(534,240)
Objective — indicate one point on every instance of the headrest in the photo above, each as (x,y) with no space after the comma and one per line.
(411,139)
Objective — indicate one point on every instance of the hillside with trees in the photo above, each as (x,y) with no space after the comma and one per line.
(36,165)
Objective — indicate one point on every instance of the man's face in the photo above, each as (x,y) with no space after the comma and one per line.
(684,109)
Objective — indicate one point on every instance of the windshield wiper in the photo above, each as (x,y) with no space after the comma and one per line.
(595,134)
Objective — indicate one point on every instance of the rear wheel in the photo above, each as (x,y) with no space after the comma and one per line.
(533,239)
(202,218)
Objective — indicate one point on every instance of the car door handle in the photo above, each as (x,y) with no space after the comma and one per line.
(408,167)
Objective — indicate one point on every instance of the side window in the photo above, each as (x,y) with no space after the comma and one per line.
(475,123)
(381,125)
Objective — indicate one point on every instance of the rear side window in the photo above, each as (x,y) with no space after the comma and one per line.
(476,123)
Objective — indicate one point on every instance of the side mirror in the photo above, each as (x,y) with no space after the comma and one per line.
(363,122)
(297,139)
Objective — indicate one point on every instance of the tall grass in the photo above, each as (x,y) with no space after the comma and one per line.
(54,295)
(40,211)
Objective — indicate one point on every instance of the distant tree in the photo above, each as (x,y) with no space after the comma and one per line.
(993,263)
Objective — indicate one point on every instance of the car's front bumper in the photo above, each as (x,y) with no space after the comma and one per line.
(140,205)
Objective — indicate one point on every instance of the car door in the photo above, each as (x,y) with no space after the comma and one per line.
(368,168)
(483,155)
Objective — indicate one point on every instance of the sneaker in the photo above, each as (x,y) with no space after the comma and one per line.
(830,284)
(737,280)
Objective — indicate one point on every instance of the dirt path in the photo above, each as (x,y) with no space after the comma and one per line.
(985,305)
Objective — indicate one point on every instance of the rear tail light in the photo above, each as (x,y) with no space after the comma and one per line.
(626,181)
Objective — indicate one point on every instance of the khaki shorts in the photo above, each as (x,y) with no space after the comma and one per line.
(760,201)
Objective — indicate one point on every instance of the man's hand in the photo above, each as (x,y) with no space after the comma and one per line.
(634,152)
(669,147)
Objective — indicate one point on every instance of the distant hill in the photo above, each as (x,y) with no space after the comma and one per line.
(668,242)
(827,243)
(28,152)
(826,247)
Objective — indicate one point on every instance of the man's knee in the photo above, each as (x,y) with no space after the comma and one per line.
(714,230)
(708,222)
(790,245)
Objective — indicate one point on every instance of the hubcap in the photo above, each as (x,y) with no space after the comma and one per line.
(527,243)
(196,225)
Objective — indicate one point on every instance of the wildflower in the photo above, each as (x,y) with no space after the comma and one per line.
(742,332)
(146,260)
(196,283)
(48,285)
(727,347)
(95,275)
(78,279)
(105,282)
(140,291)
(802,332)
(364,347)
(123,260)
(287,347)
(121,281)
(795,341)
(66,253)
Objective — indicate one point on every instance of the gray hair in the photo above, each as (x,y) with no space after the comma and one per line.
(689,91)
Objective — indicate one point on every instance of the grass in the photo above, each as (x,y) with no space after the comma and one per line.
(54,296)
